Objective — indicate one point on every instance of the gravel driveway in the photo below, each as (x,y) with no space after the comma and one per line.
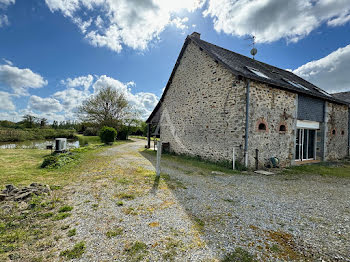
(122,214)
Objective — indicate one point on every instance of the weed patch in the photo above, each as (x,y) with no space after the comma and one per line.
(76,252)
(239,255)
(61,216)
(137,251)
(115,232)
(65,209)
(72,232)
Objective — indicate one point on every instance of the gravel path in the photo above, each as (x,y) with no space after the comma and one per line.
(122,214)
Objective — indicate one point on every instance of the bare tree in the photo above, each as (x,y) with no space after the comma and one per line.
(107,107)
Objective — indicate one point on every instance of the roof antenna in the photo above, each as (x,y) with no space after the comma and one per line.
(254,51)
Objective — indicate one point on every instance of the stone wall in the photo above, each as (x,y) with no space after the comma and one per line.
(203,112)
(337,135)
(273,107)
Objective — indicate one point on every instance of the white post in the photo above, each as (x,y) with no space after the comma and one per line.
(233,158)
(159,153)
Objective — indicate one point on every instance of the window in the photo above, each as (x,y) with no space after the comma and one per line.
(262,127)
(343,132)
(282,128)
(257,72)
(333,132)
(295,84)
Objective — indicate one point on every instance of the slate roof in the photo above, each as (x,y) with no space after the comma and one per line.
(345,96)
(238,64)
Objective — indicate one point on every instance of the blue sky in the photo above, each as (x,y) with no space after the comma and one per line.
(55,53)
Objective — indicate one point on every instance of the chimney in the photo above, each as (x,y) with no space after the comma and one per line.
(196,35)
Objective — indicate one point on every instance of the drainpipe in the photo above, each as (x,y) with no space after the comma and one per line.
(325,131)
(246,125)
(148,135)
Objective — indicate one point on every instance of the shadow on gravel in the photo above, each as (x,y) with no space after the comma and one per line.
(225,210)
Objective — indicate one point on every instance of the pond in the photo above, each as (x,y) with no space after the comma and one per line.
(36,144)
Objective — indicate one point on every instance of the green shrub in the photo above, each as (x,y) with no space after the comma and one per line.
(58,160)
(49,161)
(90,131)
(107,134)
(123,133)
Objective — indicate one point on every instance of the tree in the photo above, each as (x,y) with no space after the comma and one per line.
(106,108)
(29,121)
(131,120)
(43,122)
(55,124)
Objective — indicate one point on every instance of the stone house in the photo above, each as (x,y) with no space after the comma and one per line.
(217,101)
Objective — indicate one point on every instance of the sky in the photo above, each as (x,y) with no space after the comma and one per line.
(54,54)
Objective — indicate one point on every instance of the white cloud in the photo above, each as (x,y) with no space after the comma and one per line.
(45,105)
(4,21)
(180,22)
(271,20)
(19,80)
(330,73)
(4,3)
(7,62)
(71,98)
(6,101)
(133,23)
(84,81)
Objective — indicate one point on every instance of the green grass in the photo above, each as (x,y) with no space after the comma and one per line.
(26,229)
(76,252)
(65,209)
(115,232)
(196,162)
(89,140)
(61,216)
(21,167)
(137,251)
(144,138)
(336,169)
(72,232)
(239,255)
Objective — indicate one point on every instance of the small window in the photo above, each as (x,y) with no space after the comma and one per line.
(333,132)
(257,72)
(343,132)
(282,128)
(262,127)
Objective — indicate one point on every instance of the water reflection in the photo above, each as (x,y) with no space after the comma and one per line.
(36,144)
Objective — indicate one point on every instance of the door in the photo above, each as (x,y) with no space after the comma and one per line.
(305,144)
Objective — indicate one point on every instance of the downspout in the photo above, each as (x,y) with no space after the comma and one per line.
(325,131)
(148,135)
(246,124)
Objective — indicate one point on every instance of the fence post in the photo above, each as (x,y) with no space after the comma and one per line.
(159,153)
(233,158)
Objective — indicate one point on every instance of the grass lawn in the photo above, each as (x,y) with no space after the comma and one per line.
(195,162)
(30,231)
(337,169)
(22,166)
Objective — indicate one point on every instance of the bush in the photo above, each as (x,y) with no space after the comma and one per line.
(90,131)
(58,160)
(107,134)
(123,133)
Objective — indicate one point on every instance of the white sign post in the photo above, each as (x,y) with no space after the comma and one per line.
(159,153)
(233,158)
